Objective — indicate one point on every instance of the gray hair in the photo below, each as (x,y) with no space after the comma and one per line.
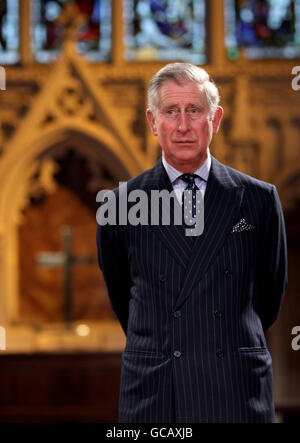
(179,72)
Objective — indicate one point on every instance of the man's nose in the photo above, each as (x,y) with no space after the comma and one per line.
(183,122)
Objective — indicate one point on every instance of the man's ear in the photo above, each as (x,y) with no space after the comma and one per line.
(217,119)
(151,121)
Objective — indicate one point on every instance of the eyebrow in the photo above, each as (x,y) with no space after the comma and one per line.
(186,106)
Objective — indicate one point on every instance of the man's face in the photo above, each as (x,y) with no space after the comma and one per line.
(183,124)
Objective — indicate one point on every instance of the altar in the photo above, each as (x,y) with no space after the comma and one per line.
(58,375)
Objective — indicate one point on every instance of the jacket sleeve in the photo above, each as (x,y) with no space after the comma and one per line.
(274,265)
(113,261)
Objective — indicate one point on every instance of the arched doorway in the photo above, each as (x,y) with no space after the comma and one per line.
(100,162)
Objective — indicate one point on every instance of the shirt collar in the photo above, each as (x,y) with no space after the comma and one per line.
(203,171)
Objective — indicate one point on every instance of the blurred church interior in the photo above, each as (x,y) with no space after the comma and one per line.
(72,105)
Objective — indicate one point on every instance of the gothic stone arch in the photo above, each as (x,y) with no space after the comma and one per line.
(18,166)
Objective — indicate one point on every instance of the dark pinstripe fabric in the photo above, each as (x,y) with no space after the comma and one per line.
(210,299)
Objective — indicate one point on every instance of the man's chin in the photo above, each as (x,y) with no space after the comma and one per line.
(187,158)
(190,160)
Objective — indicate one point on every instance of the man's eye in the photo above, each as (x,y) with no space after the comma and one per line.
(170,111)
(193,111)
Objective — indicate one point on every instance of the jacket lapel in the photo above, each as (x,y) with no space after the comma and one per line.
(173,237)
(222,203)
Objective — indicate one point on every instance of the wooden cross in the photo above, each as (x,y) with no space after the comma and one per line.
(66,260)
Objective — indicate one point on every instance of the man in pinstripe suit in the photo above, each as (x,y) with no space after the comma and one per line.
(195,309)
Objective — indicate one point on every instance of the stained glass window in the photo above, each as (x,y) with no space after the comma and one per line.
(9,31)
(52,19)
(164,30)
(265,28)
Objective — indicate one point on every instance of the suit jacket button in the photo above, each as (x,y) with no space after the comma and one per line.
(177,314)
(177,354)
(220,353)
(228,272)
(162,278)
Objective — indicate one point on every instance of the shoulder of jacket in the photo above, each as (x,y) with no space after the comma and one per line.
(249,181)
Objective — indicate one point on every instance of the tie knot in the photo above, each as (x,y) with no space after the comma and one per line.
(188,178)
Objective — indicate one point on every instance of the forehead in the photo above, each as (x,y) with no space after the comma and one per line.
(187,92)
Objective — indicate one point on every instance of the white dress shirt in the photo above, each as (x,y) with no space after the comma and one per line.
(179,185)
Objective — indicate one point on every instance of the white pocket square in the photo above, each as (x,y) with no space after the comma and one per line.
(242,225)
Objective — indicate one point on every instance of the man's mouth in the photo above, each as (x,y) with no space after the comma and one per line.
(184,142)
